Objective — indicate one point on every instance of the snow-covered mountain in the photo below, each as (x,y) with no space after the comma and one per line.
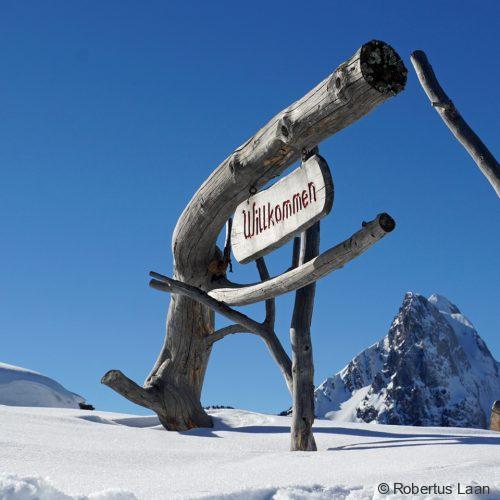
(22,387)
(431,369)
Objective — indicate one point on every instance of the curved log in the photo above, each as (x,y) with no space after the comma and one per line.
(374,74)
(483,157)
(311,271)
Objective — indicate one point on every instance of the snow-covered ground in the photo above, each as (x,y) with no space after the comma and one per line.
(60,454)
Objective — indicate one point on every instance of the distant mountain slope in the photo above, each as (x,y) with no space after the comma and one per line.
(432,368)
(22,387)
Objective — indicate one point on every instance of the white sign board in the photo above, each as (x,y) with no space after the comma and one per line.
(273,216)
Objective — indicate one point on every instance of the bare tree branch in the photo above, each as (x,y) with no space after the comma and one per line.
(454,121)
(295,253)
(148,397)
(270,303)
(225,331)
(174,286)
(311,271)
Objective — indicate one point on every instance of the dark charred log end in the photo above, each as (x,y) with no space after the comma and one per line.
(382,67)
(418,54)
(387,223)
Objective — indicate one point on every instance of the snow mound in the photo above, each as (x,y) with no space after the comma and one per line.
(299,493)
(13,487)
(22,387)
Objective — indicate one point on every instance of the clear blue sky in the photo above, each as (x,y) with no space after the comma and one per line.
(113,113)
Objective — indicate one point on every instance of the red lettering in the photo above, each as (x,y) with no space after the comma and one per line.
(305,202)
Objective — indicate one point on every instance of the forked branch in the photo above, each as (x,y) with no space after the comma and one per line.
(244,323)
(166,284)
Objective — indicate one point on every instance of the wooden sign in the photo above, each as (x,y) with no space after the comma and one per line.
(270,218)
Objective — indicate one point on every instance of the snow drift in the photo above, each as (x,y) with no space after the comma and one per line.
(431,369)
(22,387)
(66,454)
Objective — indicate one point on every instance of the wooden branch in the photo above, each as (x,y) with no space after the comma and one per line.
(166,284)
(280,356)
(454,121)
(148,397)
(302,437)
(311,271)
(225,331)
(227,244)
(270,303)
(295,252)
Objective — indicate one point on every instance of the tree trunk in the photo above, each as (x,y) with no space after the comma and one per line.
(302,437)
(373,75)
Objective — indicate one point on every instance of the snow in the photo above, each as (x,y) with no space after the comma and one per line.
(22,387)
(347,409)
(58,453)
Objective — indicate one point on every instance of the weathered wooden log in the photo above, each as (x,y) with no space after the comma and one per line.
(302,438)
(484,159)
(495,417)
(188,410)
(374,74)
(309,272)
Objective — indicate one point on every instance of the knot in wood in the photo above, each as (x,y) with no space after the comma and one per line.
(217,268)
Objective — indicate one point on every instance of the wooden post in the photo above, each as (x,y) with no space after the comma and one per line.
(454,121)
(495,417)
(302,438)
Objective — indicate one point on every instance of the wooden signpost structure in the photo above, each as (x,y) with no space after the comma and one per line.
(200,286)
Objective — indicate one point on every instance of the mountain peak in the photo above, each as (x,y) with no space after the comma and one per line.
(432,368)
(443,304)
